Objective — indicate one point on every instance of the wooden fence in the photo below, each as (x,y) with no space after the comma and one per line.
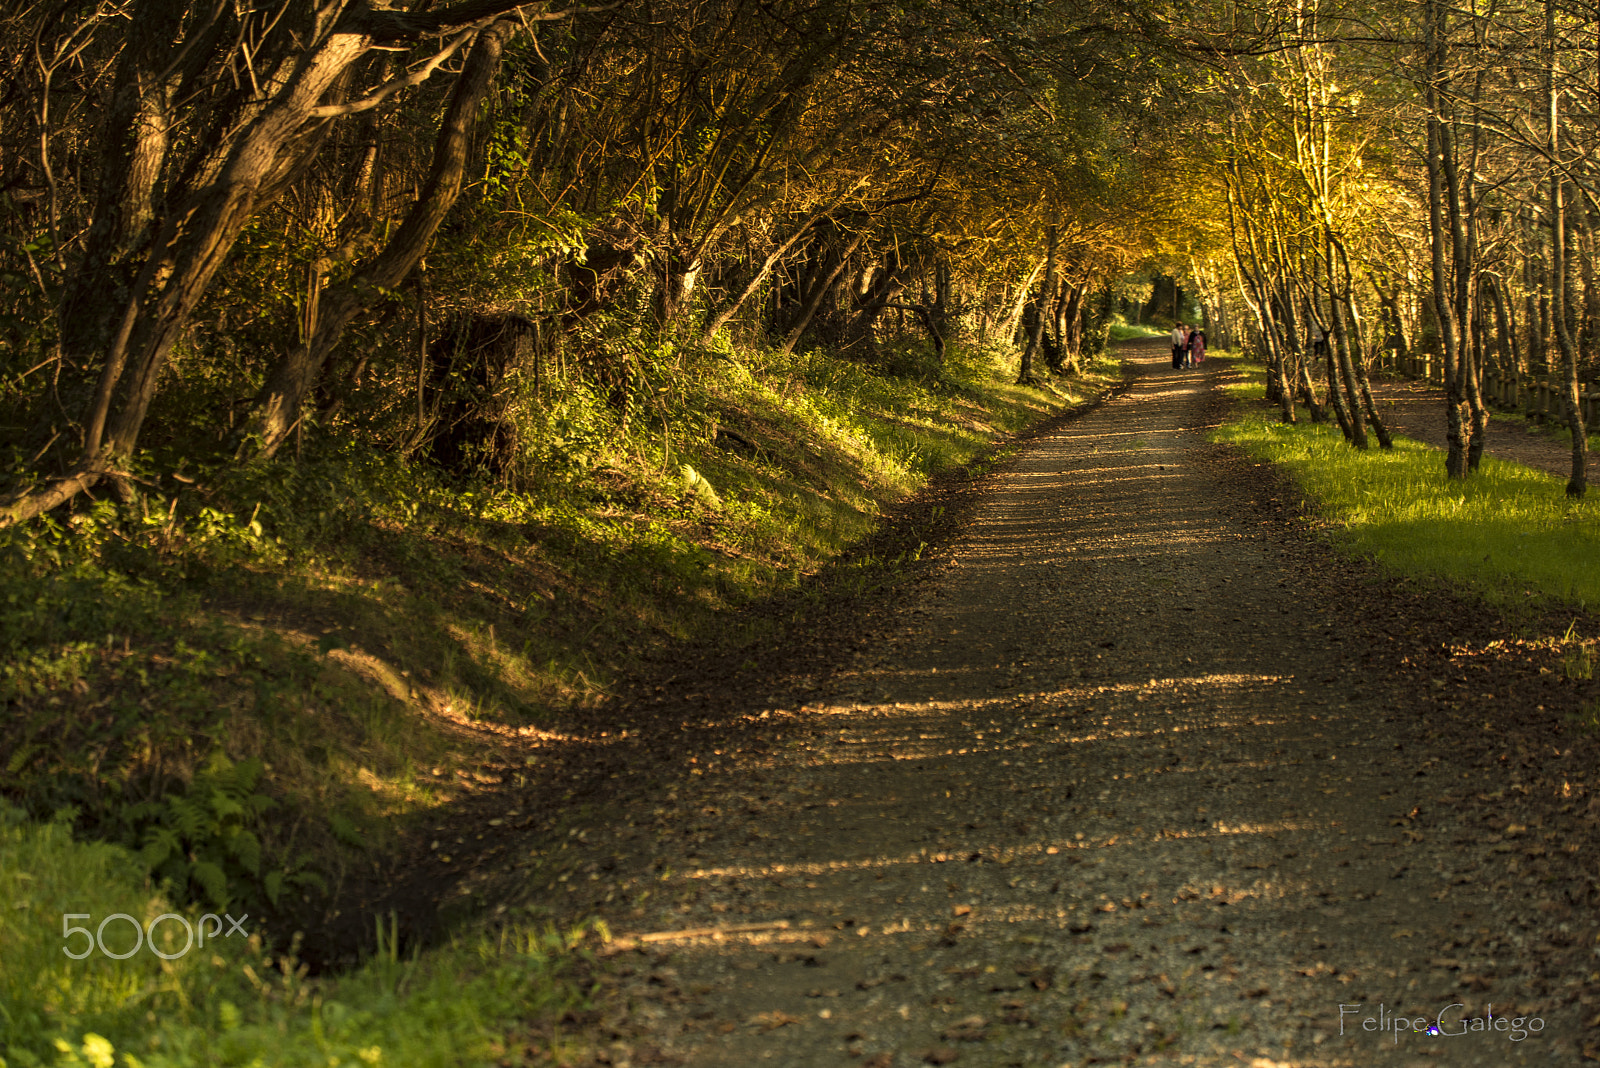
(1538,396)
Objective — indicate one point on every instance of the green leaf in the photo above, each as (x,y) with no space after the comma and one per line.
(311,879)
(696,483)
(225,806)
(211,879)
(246,774)
(273,885)
(160,843)
(346,831)
(188,817)
(246,848)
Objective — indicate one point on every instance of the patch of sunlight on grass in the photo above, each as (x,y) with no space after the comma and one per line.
(1508,531)
(1120,331)
(232,1001)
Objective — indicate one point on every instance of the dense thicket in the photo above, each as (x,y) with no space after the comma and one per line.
(227,228)
(224,229)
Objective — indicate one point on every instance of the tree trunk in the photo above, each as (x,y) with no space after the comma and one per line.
(293,376)
(134,147)
(679,273)
(1014,319)
(879,296)
(1578,479)
(819,292)
(1505,330)
(1278,388)
(1025,375)
(1440,164)
(1308,391)
(1394,324)
(1336,396)
(242,155)
(720,319)
(1361,395)
(1339,352)
(1072,326)
(1533,314)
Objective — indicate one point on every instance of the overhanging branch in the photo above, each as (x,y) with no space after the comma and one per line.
(386,26)
(394,85)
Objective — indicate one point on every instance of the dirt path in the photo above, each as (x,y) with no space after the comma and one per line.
(1113,792)
(1416,410)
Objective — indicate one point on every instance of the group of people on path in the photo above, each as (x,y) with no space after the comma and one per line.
(1188,346)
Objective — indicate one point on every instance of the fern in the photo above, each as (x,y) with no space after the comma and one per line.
(346,831)
(188,818)
(160,845)
(213,880)
(204,839)
(246,849)
(225,806)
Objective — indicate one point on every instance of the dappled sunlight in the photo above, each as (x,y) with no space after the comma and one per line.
(1148,469)
(1096,440)
(1010,853)
(1104,785)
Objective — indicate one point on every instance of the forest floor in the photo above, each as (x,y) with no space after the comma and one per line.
(1132,769)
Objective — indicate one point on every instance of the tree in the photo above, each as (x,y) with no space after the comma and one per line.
(203,137)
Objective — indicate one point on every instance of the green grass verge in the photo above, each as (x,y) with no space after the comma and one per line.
(252,679)
(1507,532)
(481,1000)
(1132,332)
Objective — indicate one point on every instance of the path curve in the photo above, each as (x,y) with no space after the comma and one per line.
(1111,794)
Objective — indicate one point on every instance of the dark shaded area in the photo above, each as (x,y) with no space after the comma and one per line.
(466,372)
(668,713)
(1484,696)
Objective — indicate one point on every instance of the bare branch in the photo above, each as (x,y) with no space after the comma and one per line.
(385,26)
(394,85)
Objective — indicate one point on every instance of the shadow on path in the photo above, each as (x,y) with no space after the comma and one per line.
(1110,790)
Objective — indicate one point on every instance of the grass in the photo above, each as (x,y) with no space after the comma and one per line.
(371,632)
(1508,532)
(251,681)
(1122,331)
(482,1000)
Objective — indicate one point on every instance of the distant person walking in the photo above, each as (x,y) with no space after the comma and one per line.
(1197,347)
(1180,341)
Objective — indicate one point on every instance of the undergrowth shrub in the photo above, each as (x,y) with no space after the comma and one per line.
(122,696)
(562,439)
(205,837)
(232,1001)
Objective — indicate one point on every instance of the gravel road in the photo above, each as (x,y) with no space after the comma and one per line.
(1113,791)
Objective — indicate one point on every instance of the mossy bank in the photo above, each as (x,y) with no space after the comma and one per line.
(252,681)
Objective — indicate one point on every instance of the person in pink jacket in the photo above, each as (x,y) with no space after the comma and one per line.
(1197,347)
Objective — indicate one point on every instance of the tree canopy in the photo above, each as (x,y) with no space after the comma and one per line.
(226,228)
